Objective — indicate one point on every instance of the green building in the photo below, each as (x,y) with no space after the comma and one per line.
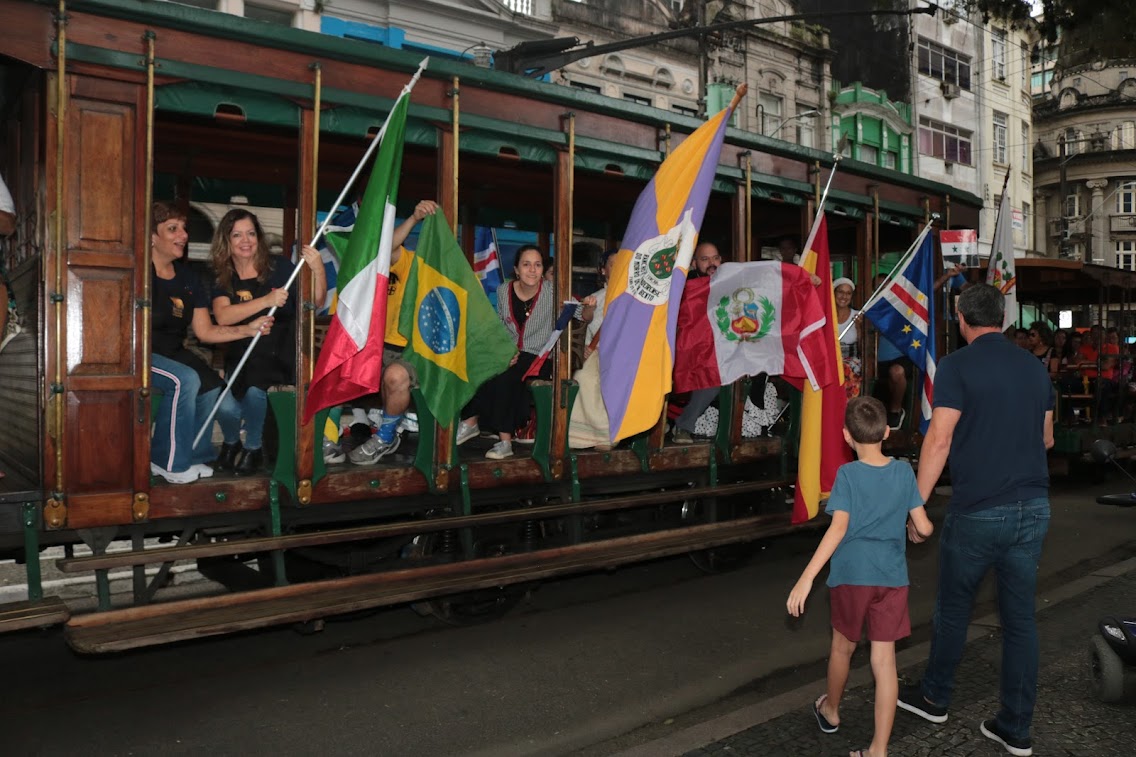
(878,130)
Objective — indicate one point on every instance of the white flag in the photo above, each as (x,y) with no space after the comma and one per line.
(1001,272)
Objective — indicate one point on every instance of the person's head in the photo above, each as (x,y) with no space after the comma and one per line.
(1060,339)
(981,308)
(865,421)
(1095,334)
(528,266)
(787,249)
(1112,336)
(707,258)
(607,260)
(239,239)
(1039,334)
(1021,337)
(842,290)
(168,236)
(1075,341)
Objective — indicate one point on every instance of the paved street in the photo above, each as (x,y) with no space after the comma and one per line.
(1069,719)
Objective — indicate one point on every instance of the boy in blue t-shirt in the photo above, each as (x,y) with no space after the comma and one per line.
(870,502)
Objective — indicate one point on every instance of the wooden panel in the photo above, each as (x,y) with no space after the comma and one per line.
(103,465)
(101,174)
(206,496)
(100,321)
(95,510)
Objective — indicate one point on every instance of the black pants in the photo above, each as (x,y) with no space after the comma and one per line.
(502,402)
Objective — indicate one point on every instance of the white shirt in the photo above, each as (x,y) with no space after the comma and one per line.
(597,316)
(852,335)
(6,204)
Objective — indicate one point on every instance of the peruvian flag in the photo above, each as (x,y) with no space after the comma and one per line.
(351,361)
(750,318)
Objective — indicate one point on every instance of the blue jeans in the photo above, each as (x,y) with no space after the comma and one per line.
(254,408)
(182,409)
(1007,538)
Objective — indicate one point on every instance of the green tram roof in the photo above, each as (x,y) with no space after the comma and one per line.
(272,101)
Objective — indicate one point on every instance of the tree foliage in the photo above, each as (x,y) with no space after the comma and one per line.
(1095,29)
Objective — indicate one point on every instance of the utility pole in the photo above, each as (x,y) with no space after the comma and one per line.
(703,62)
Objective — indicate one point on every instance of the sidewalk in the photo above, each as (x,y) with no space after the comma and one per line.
(1069,719)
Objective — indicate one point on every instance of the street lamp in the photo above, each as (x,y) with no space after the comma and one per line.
(784,121)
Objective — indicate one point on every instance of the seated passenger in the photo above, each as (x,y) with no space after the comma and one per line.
(846,316)
(1039,341)
(189,387)
(707,260)
(526,305)
(399,376)
(247,282)
(591,309)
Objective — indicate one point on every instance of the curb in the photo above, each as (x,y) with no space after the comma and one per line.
(745,718)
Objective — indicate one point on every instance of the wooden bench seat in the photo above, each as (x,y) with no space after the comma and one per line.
(149,625)
(16,616)
(405,528)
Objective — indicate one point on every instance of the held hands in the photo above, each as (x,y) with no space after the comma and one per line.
(261,325)
(425,208)
(913,533)
(797,597)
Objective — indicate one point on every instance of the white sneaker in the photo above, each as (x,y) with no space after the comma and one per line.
(500,451)
(184,477)
(332,452)
(409,423)
(203,470)
(373,450)
(467,431)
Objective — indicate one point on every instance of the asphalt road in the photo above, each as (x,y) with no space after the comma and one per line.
(592,665)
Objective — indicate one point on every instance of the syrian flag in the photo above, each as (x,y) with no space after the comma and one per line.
(350,363)
(750,318)
(959,246)
(562,322)
(486,261)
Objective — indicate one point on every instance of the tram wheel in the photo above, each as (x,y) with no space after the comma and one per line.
(722,559)
(479,605)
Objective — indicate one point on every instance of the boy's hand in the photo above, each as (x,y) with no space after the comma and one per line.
(797,597)
(913,533)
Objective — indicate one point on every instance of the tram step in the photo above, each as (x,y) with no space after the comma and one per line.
(16,616)
(344,535)
(150,625)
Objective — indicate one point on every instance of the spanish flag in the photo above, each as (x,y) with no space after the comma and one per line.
(822,449)
(648,274)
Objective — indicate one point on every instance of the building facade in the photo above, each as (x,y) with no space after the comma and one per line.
(875,129)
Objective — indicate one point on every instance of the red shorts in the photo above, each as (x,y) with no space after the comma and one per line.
(883,607)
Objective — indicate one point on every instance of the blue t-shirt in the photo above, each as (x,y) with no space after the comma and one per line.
(998,450)
(877,499)
(887,351)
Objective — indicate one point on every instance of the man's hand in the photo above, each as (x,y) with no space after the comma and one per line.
(425,208)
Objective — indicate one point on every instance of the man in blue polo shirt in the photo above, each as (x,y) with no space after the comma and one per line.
(993,416)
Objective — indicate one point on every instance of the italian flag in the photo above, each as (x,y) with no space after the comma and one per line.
(350,364)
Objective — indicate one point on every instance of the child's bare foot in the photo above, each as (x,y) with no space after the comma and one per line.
(828,718)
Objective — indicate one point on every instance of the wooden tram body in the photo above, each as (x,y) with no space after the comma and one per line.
(102,98)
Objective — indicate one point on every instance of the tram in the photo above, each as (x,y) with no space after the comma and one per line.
(110,104)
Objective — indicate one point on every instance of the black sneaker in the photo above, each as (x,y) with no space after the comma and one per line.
(911,699)
(1016,747)
(895,420)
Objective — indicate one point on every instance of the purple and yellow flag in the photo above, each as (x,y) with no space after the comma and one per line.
(649,272)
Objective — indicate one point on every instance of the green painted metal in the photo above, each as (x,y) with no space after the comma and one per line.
(639,445)
(283,406)
(425,456)
(542,448)
(281,576)
(31,550)
(102,589)
(466,509)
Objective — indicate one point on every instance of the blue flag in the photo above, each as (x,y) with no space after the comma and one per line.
(486,260)
(905,316)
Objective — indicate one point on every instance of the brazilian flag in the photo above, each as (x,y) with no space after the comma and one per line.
(455,341)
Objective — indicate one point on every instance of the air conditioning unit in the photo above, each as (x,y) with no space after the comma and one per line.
(950,91)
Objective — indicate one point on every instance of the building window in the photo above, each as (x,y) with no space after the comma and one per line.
(269,15)
(891,160)
(683,110)
(1073,204)
(1025,63)
(1071,141)
(999,137)
(769,112)
(1126,255)
(524,7)
(587,87)
(1026,162)
(943,64)
(806,134)
(1124,136)
(869,154)
(941,140)
(1126,198)
(637,99)
(1027,219)
(998,50)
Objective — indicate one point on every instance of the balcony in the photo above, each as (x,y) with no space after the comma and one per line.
(1122,224)
(1075,226)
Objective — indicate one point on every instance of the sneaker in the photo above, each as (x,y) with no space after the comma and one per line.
(203,470)
(373,450)
(526,434)
(895,420)
(1017,747)
(911,699)
(682,436)
(467,431)
(332,452)
(500,451)
(184,477)
(409,423)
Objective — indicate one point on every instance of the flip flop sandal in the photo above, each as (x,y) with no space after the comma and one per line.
(822,722)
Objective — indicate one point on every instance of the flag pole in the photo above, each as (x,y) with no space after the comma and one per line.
(836,158)
(319,232)
(891,275)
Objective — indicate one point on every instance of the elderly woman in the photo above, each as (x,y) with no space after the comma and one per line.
(846,316)
(189,387)
(525,305)
(248,281)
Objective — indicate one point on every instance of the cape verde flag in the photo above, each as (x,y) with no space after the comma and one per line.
(486,261)
(905,315)
(648,274)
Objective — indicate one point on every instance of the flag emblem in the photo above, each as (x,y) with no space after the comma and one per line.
(653,263)
(739,318)
(439,319)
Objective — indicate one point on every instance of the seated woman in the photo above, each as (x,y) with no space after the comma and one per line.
(189,387)
(526,307)
(248,281)
(846,316)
